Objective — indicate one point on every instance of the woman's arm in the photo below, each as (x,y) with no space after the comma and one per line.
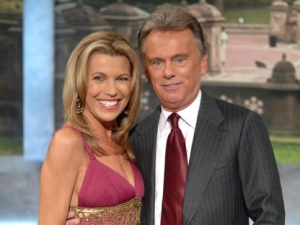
(58,176)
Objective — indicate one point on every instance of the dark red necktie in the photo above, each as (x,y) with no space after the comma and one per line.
(175,175)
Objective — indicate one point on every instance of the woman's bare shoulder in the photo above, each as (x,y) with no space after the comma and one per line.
(68,136)
(66,144)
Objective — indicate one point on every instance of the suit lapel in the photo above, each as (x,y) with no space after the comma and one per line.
(207,143)
(145,158)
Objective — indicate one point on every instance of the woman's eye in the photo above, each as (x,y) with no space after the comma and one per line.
(124,79)
(98,78)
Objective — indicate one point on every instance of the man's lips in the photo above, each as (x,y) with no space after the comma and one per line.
(171,86)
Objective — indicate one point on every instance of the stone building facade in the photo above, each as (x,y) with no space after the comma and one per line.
(212,22)
(285,21)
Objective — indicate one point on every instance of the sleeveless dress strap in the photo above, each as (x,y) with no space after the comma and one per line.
(86,145)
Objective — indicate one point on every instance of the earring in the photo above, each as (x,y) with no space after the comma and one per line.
(79,109)
(125,119)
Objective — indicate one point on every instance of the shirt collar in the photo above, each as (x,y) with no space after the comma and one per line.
(185,114)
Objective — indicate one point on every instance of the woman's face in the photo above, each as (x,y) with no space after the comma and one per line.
(108,86)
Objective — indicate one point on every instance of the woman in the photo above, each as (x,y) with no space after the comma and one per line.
(89,165)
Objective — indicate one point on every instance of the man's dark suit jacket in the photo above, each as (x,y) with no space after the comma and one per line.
(232,173)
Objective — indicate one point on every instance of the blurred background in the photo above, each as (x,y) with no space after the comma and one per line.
(254,61)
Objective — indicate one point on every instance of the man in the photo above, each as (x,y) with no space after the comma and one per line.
(232,174)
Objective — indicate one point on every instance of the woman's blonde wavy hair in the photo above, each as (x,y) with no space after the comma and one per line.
(75,85)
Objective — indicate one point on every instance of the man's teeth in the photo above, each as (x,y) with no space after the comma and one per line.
(108,103)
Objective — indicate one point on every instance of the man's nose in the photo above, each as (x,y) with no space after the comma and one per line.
(169,69)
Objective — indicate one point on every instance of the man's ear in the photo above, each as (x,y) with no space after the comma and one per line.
(146,75)
(204,64)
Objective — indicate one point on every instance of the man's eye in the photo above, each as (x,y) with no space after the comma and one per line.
(180,60)
(157,63)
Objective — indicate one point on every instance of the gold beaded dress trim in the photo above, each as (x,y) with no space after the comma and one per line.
(127,213)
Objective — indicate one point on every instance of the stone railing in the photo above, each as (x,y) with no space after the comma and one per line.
(247,28)
(277,104)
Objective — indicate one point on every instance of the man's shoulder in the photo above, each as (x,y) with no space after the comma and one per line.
(229,111)
(223,105)
(147,120)
(235,112)
(227,105)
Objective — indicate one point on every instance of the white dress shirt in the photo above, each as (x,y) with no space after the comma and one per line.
(187,124)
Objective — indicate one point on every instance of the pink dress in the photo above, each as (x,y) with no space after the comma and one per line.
(103,187)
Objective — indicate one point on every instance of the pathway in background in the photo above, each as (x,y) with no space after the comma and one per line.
(244,50)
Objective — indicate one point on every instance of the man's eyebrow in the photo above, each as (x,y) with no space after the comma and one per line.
(173,57)
(180,55)
(155,59)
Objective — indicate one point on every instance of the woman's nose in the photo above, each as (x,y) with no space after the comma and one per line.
(111,89)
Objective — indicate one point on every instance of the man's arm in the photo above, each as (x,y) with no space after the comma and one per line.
(71,220)
(259,174)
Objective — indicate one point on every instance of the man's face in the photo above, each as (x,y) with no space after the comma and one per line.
(174,67)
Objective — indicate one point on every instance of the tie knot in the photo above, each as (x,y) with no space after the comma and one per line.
(173,118)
